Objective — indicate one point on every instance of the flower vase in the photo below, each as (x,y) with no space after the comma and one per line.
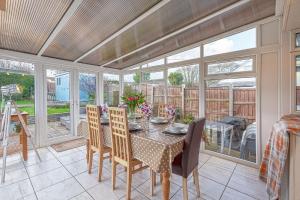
(131,114)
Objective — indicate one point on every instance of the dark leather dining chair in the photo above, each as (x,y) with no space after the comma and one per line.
(187,162)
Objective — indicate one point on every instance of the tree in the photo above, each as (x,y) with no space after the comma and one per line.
(190,75)
(175,78)
(137,77)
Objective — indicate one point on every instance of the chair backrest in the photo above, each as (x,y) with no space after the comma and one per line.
(190,154)
(94,125)
(121,142)
(162,111)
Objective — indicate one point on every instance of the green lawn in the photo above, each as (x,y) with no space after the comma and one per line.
(24,102)
(50,110)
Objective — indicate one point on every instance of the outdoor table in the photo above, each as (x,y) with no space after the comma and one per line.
(23,136)
(223,128)
(154,148)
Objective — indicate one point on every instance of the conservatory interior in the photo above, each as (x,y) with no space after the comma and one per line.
(139,99)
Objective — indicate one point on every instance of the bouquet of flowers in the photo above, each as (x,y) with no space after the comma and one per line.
(104,108)
(146,109)
(133,100)
(171,111)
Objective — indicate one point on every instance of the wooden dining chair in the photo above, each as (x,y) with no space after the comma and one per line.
(96,140)
(187,162)
(162,111)
(121,147)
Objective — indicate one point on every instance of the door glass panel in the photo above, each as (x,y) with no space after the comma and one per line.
(230,110)
(58,103)
(87,92)
(19,75)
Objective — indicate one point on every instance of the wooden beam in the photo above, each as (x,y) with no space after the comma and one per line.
(200,21)
(72,9)
(2,5)
(125,28)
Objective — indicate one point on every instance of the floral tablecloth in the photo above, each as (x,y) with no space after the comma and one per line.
(153,147)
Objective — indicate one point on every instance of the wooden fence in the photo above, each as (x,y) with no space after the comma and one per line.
(219,101)
(228,101)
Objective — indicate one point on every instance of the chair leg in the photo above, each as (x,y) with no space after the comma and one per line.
(129,179)
(184,186)
(196,180)
(87,150)
(153,181)
(100,166)
(90,160)
(113,174)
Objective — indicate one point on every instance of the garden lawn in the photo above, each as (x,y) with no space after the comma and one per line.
(50,110)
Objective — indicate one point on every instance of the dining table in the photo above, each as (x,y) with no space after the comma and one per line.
(152,146)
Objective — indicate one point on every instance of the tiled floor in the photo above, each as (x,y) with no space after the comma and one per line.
(63,176)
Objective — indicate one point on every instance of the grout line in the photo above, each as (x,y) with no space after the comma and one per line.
(28,177)
(228,181)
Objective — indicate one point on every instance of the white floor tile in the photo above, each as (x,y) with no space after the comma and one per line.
(64,190)
(209,189)
(226,164)
(83,196)
(43,167)
(145,190)
(230,194)
(216,173)
(248,185)
(78,167)
(16,191)
(72,157)
(49,178)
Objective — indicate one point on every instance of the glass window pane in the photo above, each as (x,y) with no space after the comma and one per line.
(236,42)
(186,55)
(298,83)
(230,111)
(129,78)
(111,89)
(131,83)
(20,76)
(297,39)
(183,85)
(87,92)
(230,67)
(148,76)
(156,63)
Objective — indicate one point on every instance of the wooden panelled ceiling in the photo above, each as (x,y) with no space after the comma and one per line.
(93,22)
(245,14)
(25,25)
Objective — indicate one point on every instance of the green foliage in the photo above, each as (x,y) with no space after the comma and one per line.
(188,118)
(26,82)
(175,78)
(137,77)
(133,99)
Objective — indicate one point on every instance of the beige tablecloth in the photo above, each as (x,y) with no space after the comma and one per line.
(153,148)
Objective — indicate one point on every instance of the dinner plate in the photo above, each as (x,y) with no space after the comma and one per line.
(104,121)
(177,129)
(134,127)
(159,120)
